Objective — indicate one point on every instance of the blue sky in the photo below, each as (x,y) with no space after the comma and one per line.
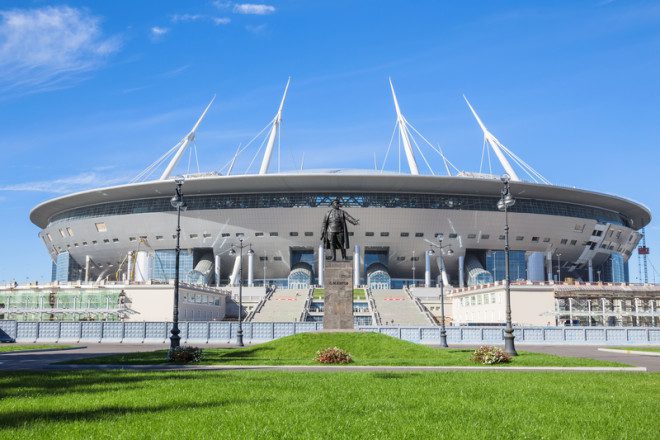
(92,92)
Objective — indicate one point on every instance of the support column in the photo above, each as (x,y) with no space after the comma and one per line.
(570,311)
(461,271)
(130,267)
(216,270)
(250,275)
(233,279)
(356,266)
(591,271)
(443,272)
(602,302)
(548,265)
(427,269)
(321,264)
(88,262)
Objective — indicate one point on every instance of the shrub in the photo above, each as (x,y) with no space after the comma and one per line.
(183,355)
(489,355)
(334,355)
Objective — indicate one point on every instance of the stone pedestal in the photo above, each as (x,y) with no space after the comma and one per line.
(338,308)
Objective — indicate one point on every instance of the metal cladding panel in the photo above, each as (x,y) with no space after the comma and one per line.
(616,334)
(431,334)
(358,180)
(91,331)
(283,329)
(113,331)
(554,334)
(219,331)
(198,332)
(597,334)
(156,332)
(70,331)
(574,335)
(471,334)
(654,335)
(134,331)
(27,331)
(183,329)
(532,334)
(453,334)
(48,331)
(303,327)
(411,334)
(637,336)
(390,332)
(262,330)
(493,334)
(8,330)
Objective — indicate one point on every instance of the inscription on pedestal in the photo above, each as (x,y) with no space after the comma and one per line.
(338,307)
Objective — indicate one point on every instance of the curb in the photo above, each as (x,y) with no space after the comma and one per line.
(41,350)
(642,353)
(320,368)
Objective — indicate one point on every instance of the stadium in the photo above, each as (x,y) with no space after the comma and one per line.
(125,235)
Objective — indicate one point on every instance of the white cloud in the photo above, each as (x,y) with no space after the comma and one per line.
(253,9)
(50,47)
(257,30)
(66,185)
(189,18)
(158,32)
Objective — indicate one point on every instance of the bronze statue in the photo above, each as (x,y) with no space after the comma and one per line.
(335,233)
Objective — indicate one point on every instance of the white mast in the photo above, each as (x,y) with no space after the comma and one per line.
(184,144)
(405,136)
(494,144)
(273,133)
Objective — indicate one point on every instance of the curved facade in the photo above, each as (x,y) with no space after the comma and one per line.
(559,231)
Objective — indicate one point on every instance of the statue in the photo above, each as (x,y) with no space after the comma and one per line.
(335,233)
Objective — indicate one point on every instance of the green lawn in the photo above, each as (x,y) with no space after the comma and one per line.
(358,294)
(6,348)
(285,405)
(653,349)
(366,349)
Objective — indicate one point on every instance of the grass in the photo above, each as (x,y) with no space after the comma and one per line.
(366,348)
(285,405)
(652,349)
(358,294)
(7,348)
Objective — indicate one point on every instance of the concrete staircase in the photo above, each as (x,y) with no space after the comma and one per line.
(286,305)
(395,305)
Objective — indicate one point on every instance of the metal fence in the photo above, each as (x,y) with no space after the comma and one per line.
(203,332)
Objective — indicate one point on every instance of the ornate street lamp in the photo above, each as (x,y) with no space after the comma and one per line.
(239,333)
(180,205)
(450,251)
(505,202)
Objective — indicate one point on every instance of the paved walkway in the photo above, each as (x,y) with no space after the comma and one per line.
(44,360)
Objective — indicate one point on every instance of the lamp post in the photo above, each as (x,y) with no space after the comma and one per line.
(239,333)
(450,251)
(503,204)
(178,203)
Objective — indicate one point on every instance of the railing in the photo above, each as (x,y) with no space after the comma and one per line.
(257,309)
(308,304)
(421,307)
(375,316)
(209,332)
